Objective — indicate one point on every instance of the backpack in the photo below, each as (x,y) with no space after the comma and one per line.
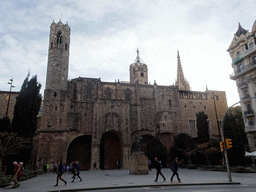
(63,169)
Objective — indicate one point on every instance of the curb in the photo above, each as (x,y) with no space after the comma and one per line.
(138,186)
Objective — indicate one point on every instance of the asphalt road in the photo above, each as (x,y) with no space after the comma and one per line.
(204,188)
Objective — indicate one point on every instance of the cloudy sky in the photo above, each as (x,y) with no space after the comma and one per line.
(105,35)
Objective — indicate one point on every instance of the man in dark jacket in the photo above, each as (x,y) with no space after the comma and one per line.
(60,171)
(174,168)
(158,170)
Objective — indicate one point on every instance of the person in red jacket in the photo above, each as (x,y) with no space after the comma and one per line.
(15,176)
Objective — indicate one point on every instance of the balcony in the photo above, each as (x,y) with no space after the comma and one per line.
(250,128)
(246,97)
(239,72)
(248,113)
(242,85)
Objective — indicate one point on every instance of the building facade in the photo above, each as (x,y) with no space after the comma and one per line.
(88,120)
(242,51)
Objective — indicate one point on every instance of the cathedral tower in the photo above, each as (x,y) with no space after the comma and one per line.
(181,82)
(58,57)
(138,71)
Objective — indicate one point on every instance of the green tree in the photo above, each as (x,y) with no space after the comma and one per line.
(26,108)
(234,130)
(155,148)
(10,144)
(5,124)
(186,144)
(202,127)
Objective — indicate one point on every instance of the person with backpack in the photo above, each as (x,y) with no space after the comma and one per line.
(20,171)
(76,171)
(174,168)
(60,171)
(158,170)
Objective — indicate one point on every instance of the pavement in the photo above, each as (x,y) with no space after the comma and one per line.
(113,179)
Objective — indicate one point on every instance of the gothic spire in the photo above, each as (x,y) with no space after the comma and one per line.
(181,82)
(137,60)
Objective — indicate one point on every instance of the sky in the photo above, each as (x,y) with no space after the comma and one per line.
(105,35)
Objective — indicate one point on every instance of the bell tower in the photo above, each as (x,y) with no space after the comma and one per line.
(138,71)
(58,57)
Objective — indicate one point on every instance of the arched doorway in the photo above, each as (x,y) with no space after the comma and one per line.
(110,150)
(80,150)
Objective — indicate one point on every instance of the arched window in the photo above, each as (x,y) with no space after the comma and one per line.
(128,95)
(89,92)
(55,94)
(74,92)
(56,108)
(59,38)
(108,93)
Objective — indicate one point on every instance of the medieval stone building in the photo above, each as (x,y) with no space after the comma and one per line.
(88,120)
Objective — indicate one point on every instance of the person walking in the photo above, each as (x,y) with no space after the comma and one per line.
(158,170)
(15,175)
(45,168)
(174,168)
(76,171)
(60,171)
(149,165)
(55,168)
(20,171)
(94,165)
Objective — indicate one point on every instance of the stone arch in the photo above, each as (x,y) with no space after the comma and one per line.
(111,149)
(80,150)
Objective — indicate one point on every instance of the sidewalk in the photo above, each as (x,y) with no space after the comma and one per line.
(108,179)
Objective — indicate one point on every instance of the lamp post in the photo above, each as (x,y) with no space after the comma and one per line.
(8,103)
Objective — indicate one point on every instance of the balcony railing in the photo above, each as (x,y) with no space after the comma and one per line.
(242,85)
(249,113)
(246,68)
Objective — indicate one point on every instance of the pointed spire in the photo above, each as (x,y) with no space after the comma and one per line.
(206,87)
(240,30)
(137,60)
(181,82)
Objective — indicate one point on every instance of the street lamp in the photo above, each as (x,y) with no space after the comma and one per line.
(11,86)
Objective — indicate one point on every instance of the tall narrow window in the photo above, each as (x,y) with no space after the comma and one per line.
(89,92)
(170,102)
(192,124)
(51,44)
(128,95)
(108,93)
(66,46)
(74,92)
(59,38)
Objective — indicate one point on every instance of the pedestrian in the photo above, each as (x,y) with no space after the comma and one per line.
(94,165)
(55,168)
(149,165)
(20,171)
(158,170)
(45,168)
(15,175)
(60,171)
(174,168)
(76,171)
(118,164)
(47,165)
